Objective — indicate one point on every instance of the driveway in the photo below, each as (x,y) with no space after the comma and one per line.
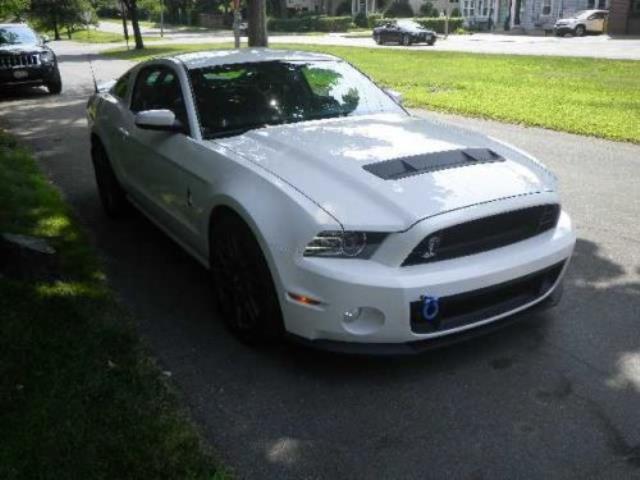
(596,46)
(555,396)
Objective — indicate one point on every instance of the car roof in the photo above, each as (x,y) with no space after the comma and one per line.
(246,55)
(2,25)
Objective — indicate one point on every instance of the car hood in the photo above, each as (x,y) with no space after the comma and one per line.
(325,159)
(19,48)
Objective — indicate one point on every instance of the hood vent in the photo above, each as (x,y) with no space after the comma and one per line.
(431,162)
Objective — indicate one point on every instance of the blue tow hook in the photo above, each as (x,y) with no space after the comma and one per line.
(430,308)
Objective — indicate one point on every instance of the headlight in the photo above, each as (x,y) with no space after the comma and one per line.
(46,57)
(340,244)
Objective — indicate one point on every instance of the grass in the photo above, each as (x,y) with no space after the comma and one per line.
(98,36)
(579,95)
(79,396)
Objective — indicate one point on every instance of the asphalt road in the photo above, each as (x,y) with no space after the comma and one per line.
(596,46)
(555,396)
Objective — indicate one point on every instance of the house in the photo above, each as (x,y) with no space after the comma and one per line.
(624,17)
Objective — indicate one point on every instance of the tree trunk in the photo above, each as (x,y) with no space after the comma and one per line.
(258,23)
(125,28)
(133,11)
(56,30)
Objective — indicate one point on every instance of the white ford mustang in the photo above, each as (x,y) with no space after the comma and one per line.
(324,210)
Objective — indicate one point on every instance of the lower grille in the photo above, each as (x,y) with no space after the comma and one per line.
(471,307)
(10,61)
(484,234)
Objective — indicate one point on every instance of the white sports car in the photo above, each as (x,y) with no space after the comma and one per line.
(325,211)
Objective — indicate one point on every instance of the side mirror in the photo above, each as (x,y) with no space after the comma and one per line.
(162,120)
(45,39)
(395,95)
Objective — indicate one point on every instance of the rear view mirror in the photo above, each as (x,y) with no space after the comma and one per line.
(163,120)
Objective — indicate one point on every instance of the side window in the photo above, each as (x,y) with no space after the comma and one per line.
(121,87)
(158,88)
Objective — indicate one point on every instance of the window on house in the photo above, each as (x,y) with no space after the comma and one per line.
(635,7)
(468,8)
(546,7)
(602,4)
(591,4)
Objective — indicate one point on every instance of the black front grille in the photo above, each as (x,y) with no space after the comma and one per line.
(24,60)
(484,234)
(471,307)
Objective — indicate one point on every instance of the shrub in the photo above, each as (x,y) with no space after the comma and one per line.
(428,10)
(360,20)
(374,20)
(310,23)
(399,9)
(344,9)
(455,13)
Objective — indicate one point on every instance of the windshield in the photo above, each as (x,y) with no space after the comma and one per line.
(410,24)
(579,14)
(17,35)
(232,99)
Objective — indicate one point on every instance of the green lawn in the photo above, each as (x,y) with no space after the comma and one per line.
(97,36)
(79,396)
(579,95)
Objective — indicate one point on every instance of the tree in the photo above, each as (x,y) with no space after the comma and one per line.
(55,14)
(258,23)
(132,8)
(13,9)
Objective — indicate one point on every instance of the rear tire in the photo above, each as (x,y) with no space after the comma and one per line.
(406,40)
(432,42)
(376,38)
(113,197)
(245,294)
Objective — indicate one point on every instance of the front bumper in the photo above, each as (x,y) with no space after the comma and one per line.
(33,75)
(563,29)
(421,346)
(385,292)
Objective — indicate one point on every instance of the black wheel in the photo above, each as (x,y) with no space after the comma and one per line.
(432,42)
(55,85)
(113,197)
(245,294)
(579,31)
(406,40)
(376,38)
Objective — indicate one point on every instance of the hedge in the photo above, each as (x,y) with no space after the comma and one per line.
(310,23)
(435,24)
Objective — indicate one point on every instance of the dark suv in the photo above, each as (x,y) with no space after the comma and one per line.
(26,60)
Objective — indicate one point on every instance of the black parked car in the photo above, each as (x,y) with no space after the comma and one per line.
(404,32)
(26,60)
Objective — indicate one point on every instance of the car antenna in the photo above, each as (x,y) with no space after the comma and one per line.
(93,74)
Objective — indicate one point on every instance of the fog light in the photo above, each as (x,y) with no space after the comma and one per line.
(352,315)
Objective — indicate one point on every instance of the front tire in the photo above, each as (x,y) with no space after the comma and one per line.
(579,31)
(245,294)
(376,38)
(112,196)
(55,85)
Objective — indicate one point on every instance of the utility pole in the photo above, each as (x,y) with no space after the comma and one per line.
(162,18)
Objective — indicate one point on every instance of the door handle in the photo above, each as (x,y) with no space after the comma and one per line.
(123,131)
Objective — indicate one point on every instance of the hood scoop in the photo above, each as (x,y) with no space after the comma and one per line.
(431,162)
